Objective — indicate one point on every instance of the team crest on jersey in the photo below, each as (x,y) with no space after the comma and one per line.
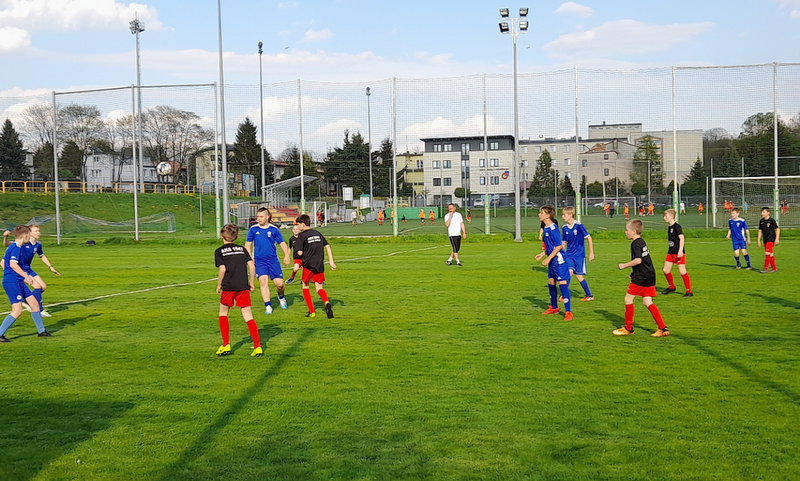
(645,251)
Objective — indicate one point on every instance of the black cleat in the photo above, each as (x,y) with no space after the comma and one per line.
(329,310)
(45,334)
(458,264)
(448,262)
(4,339)
(668,290)
(688,294)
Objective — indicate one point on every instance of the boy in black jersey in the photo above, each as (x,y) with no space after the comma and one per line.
(676,254)
(312,248)
(643,281)
(234,284)
(293,246)
(768,230)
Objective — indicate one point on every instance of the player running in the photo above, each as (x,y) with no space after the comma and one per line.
(739,234)
(312,251)
(260,244)
(14,284)
(573,237)
(676,254)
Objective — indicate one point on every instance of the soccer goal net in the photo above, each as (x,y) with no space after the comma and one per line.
(72,224)
(594,205)
(750,194)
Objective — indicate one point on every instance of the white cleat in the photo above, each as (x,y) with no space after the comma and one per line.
(45,314)
(284,305)
(268,310)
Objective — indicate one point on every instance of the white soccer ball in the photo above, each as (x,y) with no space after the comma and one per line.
(164,168)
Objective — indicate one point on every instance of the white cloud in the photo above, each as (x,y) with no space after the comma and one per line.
(74,14)
(13,39)
(287,5)
(336,129)
(444,127)
(573,8)
(624,37)
(793,6)
(312,35)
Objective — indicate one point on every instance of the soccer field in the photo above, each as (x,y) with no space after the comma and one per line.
(427,371)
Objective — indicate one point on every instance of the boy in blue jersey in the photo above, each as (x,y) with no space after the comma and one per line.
(573,237)
(29,250)
(14,284)
(260,244)
(557,270)
(739,234)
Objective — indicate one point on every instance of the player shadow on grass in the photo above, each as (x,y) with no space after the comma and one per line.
(265,333)
(537,302)
(51,328)
(617,321)
(292,299)
(724,266)
(779,301)
(205,441)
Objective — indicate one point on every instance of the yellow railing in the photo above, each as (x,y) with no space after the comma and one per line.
(83,187)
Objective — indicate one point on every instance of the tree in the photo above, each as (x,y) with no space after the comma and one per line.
(245,155)
(595,189)
(37,125)
(756,145)
(71,161)
(695,182)
(81,125)
(382,169)
(12,154)
(43,161)
(349,164)
(543,178)
(647,159)
(565,188)
(174,135)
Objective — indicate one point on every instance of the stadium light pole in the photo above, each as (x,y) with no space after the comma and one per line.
(261,104)
(226,213)
(516,25)
(369,143)
(137,27)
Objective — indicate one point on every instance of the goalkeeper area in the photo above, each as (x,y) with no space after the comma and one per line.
(750,194)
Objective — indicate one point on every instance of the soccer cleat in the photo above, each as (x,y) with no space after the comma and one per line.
(763,272)
(449,263)
(224,350)
(621,331)
(290,280)
(668,290)
(568,316)
(748,268)
(587,299)
(26,306)
(4,339)
(311,314)
(458,263)
(550,310)
(44,334)
(268,310)
(688,294)
(257,352)
(45,314)
(738,267)
(560,298)
(660,333)
(329,310)
(284,305)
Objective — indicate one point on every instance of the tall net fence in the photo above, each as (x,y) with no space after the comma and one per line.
(605,133)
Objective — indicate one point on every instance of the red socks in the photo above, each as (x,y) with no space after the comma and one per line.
(670,280)
(253,328)
(323,295)
(307,297)
(629,317)
(686,282)
(224,329)
(656,316)
(772,263)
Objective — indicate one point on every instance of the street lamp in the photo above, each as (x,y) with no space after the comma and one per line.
(516,25)
(137,27)
(261,104)
(369,143)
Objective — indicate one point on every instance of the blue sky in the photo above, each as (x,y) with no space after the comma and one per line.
(67,44)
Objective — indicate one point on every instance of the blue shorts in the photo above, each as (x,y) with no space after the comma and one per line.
(559,272)
(16,290)
(577,265)
(739,245)
(269,267)
(30,272)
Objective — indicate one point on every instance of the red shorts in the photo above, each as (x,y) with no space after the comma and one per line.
(675,259)
(238,298)
(769,246)
(309,277)
(642,291)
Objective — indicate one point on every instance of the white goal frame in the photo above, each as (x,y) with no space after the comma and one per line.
(771,199)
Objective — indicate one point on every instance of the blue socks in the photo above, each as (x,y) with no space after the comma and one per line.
(738,262)
(553,296)
(268,304)
(7,322)
(37,319)
(747,259)
(566,295)
(585,286)
(37,293)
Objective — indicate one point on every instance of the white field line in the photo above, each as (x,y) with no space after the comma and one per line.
(167,286)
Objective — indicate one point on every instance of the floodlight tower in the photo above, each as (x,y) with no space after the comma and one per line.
(137,27)
(369,143)
(261,104)
(514,26)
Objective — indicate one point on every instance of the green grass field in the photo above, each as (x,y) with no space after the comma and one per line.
(426,372)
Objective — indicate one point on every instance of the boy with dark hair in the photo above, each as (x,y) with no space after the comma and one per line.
(740,236)
(312,247)
(676,254)
(557,270)
(234,284)
(14,284)
(768,230)
(643,281)
(260,244)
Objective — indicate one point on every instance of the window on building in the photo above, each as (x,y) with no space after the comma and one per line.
(495,180)
(605,172)
(605,156)
(446,164)
(465,173)
(464,162)
(448,147)
(494,145)
(584,163)
(437,181)
(538,149)
(483,180)
(447,181)
(464,149)
(494,162)
(567,161)
(566,148)
(436,164)
(482,163)
(437,147)
(568,174)
(524,150)
(553,149)
(420,164)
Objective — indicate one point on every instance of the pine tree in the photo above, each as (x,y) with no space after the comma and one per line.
(12,154)
(695,182)
(542,182)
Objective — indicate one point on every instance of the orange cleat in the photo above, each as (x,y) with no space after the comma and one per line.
(560,298)
(550,310)
(587,299)
(621,331)
(568,316)
(660,333)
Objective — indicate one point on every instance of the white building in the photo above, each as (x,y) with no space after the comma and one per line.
(104,170)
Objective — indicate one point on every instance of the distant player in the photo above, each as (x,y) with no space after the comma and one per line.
(700,208)
(557,270)
(28,252)
(293,246)
(769,231)
(643,281)
(627,211)
(574,236)
(260,244)
(431,216)
(422,217)
(313,246)
(650,210)
(380,217)
(14,284)
(739,234)
(676,254)
(456,230)
(235,281)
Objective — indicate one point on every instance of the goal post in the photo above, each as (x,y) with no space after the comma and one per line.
(750,194)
